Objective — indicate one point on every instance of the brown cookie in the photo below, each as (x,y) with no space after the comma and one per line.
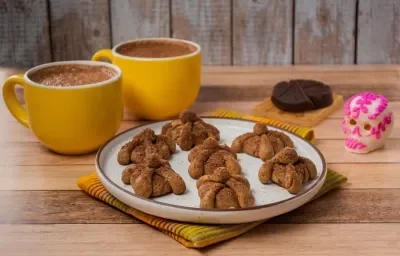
(206,158)
(222,190)
(189,130)
(261,143)
(145,144)
(152,178)
(288,170)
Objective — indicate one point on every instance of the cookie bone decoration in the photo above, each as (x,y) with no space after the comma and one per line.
(368,122)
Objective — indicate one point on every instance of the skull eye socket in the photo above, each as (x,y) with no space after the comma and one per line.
(367,127)
(353,122)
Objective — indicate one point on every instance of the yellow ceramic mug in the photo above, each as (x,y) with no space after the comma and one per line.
(157,88)
(68,120)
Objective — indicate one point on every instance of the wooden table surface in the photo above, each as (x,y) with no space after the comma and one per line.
(43,212)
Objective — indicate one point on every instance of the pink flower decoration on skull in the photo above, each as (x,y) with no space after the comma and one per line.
(367,122)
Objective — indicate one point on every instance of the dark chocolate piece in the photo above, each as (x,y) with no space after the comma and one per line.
(290,97)
(319,93)
(301,95)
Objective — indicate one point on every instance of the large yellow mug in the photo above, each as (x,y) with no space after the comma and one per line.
(68,120)
(157,88)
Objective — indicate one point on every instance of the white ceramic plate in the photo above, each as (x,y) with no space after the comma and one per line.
(270,200)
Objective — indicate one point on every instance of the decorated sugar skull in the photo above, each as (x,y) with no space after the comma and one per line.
(368,121)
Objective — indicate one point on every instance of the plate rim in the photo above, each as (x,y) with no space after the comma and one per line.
(149,200)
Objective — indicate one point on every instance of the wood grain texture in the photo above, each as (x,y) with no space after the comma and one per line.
(369,176)
(133,239)
(262,32)
(378,32)
(227,83)
(254,83)
(334,152)
(48,207)
(42,177)
(76,207)
(15,132)
(324,31)
(132,19)
(327,239)
(38,188)
(261,89)
(203,108)
(33,153)
(24,30)
(79,28)
(303,68)
(348,206)
(208,23)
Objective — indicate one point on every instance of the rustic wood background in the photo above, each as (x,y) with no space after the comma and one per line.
(231,32)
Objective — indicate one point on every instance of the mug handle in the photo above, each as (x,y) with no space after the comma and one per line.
(103,54)
(11,99)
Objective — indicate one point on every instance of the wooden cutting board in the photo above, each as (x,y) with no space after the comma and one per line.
(308,119)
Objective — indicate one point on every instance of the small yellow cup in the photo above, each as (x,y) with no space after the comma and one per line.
(157,88)
(68,120)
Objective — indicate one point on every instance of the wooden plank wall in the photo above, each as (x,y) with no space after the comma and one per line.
(24,33)
(231,32)
(78,28)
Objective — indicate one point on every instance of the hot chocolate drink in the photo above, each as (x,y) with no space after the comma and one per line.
(156,49)
(72,75)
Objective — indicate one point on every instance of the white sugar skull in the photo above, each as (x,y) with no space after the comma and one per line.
(368,121)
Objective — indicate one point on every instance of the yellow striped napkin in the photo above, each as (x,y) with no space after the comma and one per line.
(188,234)
(198,235)
(305,132)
